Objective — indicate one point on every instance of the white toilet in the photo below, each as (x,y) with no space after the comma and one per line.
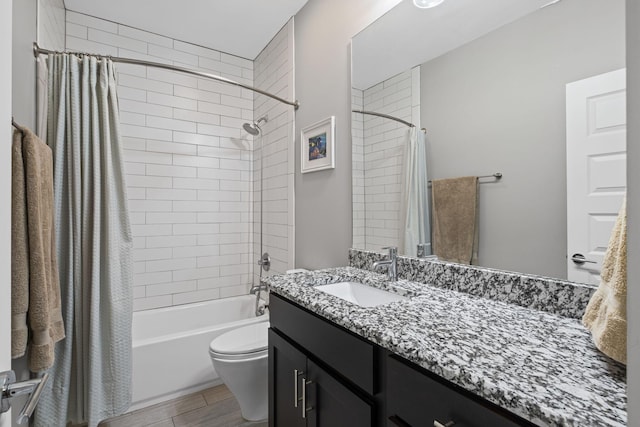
(240,358)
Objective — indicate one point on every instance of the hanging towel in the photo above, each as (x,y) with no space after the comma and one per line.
(35,287)
(455,219)
(606,314)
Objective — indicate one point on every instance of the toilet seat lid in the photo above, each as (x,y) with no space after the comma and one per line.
(247,339)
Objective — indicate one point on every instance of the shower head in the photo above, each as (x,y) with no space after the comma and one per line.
(254,128)
(251,128)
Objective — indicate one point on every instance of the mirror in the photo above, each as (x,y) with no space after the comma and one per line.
(487,80)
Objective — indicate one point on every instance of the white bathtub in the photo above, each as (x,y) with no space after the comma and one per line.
(171,346)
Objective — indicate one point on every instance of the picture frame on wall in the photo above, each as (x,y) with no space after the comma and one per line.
(317,146)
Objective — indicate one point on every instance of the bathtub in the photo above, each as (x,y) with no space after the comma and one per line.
(171,346)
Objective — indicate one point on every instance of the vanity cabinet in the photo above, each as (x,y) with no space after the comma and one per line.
(418,398)
(301,393)
(347,381)
(287,365)
(329,368)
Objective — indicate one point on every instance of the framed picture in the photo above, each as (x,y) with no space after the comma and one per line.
(317,146)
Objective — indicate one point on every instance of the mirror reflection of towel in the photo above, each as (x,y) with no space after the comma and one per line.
(455,219)
(606,314)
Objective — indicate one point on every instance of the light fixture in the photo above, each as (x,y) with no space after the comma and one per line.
(426,4)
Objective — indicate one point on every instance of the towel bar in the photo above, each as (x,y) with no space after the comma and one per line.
(497,176)
(10,388)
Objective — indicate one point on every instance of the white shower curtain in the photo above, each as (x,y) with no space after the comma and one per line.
(414,220)
(91,378)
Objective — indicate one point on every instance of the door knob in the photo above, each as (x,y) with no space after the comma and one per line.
(580,259)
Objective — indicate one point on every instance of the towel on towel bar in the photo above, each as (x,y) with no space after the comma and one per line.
(35,287)
(455,219)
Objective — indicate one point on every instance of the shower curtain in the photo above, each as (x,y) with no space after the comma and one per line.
(91,378)
(414,220)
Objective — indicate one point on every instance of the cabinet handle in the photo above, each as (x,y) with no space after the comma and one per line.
(304,397)
(396,420)
(437,423)
(296,374)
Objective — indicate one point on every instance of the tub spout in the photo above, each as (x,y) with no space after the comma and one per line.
(256,289)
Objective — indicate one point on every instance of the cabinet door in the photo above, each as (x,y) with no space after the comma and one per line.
(286,368)
(414,399)
(331,404)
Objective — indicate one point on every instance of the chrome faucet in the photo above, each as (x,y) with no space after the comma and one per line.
(391,263)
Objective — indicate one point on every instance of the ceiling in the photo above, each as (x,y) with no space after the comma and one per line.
(238,27)
(407,36)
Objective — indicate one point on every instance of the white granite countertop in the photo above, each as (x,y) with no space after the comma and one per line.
(538,365)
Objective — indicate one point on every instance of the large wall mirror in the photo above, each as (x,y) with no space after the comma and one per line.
(487,80)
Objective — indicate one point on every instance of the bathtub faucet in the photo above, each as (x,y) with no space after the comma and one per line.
(256,289)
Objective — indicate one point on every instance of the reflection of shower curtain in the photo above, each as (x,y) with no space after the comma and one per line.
(414,220)
(91,378)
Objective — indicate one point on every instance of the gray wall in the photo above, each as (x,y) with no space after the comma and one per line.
(633,209)
(23,87)
(323,34)
(24,66)
(5,194)
(23,104)
(498,105)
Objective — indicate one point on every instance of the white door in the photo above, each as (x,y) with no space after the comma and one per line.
(596,169)
(5,193)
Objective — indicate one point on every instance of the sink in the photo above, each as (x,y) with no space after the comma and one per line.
(359,294)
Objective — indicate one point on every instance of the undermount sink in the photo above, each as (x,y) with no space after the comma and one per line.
(359,294)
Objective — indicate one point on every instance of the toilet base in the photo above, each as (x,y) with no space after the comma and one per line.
(247,380)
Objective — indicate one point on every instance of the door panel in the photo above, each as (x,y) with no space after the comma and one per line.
(596,168)
(333,404)
(284,359)
(418,400)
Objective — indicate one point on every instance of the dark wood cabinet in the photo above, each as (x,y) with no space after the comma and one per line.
(301,393)
(416,398)
(346,381)
(335,405)
(286,367)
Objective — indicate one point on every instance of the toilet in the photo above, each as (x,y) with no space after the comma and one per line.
(240,358)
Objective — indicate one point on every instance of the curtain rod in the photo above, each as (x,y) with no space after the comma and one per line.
(37,50)
(386,116)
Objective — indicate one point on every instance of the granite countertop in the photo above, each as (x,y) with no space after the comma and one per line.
(540,366)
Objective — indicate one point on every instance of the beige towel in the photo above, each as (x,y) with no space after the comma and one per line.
(455,219)
(606,314)
(35,287)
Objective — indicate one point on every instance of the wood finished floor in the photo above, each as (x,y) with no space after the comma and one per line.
(214,407)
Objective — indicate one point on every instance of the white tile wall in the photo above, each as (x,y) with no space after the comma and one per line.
(274,72)
(383,142)
(51,24)
(189,167)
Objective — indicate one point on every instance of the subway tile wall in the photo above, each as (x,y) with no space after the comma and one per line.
(384,142)
(51,24)
(274,72)
(189,165)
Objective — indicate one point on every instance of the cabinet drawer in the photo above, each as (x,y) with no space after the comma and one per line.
(349,355)
(414,399)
